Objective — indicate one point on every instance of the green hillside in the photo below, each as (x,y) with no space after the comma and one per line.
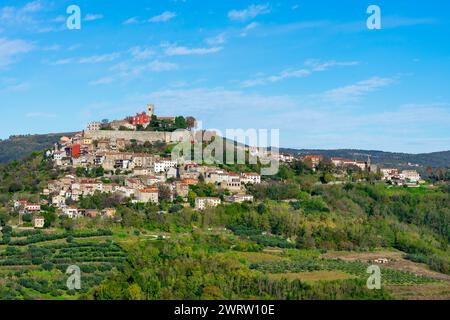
(19,147)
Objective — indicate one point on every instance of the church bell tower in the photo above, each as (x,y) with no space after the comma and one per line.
(150,110)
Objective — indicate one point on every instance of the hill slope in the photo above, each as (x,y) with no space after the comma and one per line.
(18,147)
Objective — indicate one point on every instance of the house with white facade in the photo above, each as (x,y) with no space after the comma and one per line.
(148,195)
(71,212)
(38,222)
(163,165)
(251,178)
(203,203)
(410,175)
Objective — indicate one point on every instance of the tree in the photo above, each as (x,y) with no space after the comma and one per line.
(49,217)
(15,187)
(69,238)
(180,123)
(165,194)
(326,178)
(191,122)
(99,172)
(80,172)
(4,216)
(326,165)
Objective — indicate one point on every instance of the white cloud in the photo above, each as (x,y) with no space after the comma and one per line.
(311,66)
(251,12)
(54,47)
(88,60)
(11,85)
(354,92)
(93,17)
(132,20)
(159,66)
(183,51)
(20,16)
(99,58)
(251,26)
(163,17)
(396,22)
(219,39)
(215,100)
(59,19)
(129,70)
(10,49)
(63,61)
(139,53)
(101,81)
(317,65)
(248,28)
(33,6)
(40,115)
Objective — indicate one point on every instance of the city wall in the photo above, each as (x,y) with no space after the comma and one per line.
(140,136)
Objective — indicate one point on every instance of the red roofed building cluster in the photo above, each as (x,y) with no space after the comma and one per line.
(140,119)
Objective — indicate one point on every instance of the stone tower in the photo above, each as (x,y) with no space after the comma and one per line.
(150,110)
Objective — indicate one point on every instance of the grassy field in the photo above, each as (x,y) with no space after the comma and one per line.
(403,278)
(396,259)
(312,276)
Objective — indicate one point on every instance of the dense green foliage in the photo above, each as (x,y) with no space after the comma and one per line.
(20,147)
(30,175)
(197,269)
(38,272)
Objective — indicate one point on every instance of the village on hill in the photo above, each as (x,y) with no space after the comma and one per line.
(128,159)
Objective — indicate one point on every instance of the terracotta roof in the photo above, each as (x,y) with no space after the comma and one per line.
(149,190)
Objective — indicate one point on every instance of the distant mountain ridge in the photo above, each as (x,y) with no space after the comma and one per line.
(387,159)
(19,146)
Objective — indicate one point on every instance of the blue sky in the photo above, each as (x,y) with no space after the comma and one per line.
(309,68)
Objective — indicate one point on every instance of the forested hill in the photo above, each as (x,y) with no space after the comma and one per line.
(18,147)
(435,160)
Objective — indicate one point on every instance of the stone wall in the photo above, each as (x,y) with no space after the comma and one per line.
(139,136)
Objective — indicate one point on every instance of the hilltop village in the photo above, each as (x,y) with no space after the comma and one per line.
(129,159)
